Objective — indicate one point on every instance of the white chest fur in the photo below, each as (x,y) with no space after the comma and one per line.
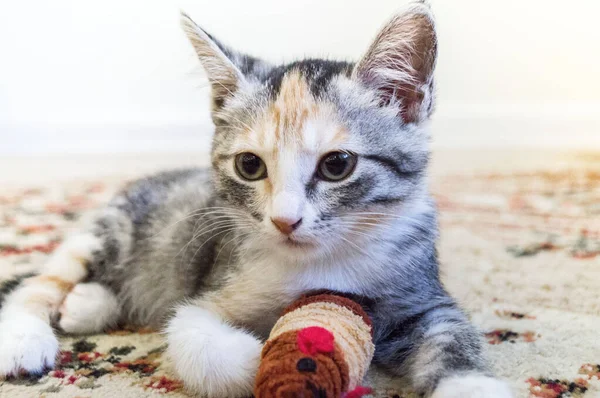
(264,285)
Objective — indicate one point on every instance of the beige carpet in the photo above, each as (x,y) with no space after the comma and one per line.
(520,249)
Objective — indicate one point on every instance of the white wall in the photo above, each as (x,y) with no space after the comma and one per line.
(118,75)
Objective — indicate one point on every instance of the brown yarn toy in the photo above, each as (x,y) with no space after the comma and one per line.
(320,348)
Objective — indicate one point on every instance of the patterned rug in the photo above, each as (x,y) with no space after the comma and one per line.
(521,251)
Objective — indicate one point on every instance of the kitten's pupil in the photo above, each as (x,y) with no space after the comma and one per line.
(250,163)
(250,167)
(337,166)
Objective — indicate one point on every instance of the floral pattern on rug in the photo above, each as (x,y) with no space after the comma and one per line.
(520,251)
(500,336)
(545,388)
(84,367)
(506,314)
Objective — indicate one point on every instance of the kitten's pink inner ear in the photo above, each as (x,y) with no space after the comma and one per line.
(400,63)
(223,75)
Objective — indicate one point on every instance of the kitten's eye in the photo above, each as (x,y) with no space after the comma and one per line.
(336,166)
(250,167)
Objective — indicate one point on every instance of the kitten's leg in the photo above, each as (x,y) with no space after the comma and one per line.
(89,308)
(213,358)
(440,353)
(27,342)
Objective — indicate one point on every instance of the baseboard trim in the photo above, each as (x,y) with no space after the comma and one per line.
(450,130)
(514,132)
(107,138)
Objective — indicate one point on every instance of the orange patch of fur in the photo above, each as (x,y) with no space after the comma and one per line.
(39,301)
(276,121)
(293,101)
(61,284)
(294,105)
(341,136)
(268,186)
(284,121)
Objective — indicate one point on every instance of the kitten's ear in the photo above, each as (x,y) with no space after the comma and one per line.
(400,63)
(224,77)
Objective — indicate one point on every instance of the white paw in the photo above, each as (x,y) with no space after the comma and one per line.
(472,386)
(212,358)
(88,308)
(69,260)
(26,344)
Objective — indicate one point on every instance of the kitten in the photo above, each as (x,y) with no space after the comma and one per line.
(318,181)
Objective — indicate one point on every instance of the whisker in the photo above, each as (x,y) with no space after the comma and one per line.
(357,247)
(187,216)
(223,247)
(242,236)
(202,245)
(383,227)
(210,228)
(390,217)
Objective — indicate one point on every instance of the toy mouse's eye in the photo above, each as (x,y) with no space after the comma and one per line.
(336,166)
(306,365)
(250,167)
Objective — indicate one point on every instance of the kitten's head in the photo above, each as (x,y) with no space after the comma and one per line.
(317,152)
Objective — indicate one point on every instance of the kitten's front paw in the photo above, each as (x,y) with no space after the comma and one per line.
(472,386)
(212,358)
(88,308)
(26,344)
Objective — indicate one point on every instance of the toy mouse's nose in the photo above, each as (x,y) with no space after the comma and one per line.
(286,225)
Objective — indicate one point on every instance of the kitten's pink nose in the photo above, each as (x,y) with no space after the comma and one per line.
(286,225)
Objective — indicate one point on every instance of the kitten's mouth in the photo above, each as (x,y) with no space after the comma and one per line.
(290,242)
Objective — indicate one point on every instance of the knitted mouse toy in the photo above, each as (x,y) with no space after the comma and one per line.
(320,348)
